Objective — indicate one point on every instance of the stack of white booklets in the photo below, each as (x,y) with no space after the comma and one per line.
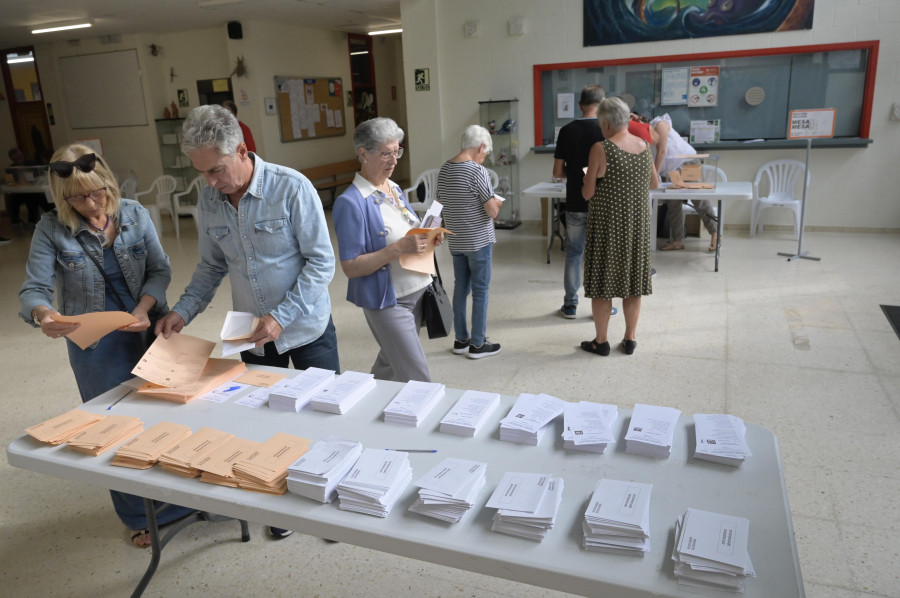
(589,426)
(414,401)
(651,430)
(527,504)
(470,413)
(711,550)
(375,482)
(449,490)
(530,418)
(720,438)
(618,518)
(292,394)
(317,473)
(342,393)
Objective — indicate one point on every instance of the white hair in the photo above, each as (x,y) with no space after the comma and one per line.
(474,136)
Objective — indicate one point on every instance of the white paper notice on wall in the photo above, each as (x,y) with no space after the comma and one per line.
(565,105)
(805,124)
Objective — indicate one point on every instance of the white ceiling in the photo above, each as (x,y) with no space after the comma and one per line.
(116,17)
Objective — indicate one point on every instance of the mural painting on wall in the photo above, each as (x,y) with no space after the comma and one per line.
(627,21)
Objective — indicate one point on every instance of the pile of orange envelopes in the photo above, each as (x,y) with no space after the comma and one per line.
(106,433)
(142,451)
(215,468)
(265,468)
(183,457)
(57,430)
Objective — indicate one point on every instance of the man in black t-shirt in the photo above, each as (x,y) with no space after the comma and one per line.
(573,146)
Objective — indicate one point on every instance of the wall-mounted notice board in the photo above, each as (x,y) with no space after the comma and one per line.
(756,89)
(83,76)
(310,107)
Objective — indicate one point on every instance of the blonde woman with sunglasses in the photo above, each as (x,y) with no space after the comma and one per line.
(97,252)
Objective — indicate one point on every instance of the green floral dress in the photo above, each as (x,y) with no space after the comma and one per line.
(617,248)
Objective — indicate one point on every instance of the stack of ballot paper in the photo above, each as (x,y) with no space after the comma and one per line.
(449,489)
(105,434)
(216,467)
(265,468)
(720,438)
(292,394)
(589,426)
(414,401)
(316,474)
(618,518)
(470,413)
(375,482)
(651,430)
(238,327)
(57,430)
(182,457)
(342,393)
(530,418)
(142,451)
(711,550)
(527,504)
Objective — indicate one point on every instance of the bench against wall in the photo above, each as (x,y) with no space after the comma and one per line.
(328,177)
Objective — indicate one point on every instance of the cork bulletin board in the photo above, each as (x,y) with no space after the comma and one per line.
(310,107)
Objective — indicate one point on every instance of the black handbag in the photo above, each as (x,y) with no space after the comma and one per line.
(436,307)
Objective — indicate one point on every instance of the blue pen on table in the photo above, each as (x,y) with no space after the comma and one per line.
(414,450)
(120,399)
(232,388)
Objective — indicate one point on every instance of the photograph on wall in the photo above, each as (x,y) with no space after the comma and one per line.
(629,21)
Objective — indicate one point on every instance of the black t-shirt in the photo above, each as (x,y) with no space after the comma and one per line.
(574,146)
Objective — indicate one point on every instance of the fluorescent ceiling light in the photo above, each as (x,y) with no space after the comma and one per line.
(358,53)
(385,31)
(20,59)
(50,27)
(210,3)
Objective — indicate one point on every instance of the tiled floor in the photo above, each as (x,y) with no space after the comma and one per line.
(801,348)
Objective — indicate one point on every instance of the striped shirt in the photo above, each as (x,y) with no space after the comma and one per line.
(463,188)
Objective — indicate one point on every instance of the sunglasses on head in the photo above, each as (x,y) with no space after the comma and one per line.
(85,163)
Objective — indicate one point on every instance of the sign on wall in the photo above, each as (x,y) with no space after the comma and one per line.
(423,80)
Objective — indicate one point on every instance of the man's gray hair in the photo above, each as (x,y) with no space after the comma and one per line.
(615,112)
(474,136)
(374,132)
(211,126)
(592,94)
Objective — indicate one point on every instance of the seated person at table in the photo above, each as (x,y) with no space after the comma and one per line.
(25,171)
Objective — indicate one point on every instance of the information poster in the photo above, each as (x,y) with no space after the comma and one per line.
(565,105)
(674,86)
(703,86)
(812,123)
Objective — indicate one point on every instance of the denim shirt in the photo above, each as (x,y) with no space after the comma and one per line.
(57,259)
(360,229)
(276,249)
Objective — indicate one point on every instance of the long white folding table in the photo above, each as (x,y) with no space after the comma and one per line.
(554,192)
(755,490)
(722,192)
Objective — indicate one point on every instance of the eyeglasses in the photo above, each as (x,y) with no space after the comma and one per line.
(387,155)
(85,163)
(93,195)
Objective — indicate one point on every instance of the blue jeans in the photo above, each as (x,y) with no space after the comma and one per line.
(472,272)
(321,353)
(576,230)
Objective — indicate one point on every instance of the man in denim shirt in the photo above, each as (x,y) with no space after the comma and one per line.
(263,225)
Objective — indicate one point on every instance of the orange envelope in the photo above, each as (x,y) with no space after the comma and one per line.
(94,325)
(261,378)
(216,372)
(57,430)
(423,262)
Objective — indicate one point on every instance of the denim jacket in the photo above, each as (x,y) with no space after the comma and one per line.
(276,250)
(57,259)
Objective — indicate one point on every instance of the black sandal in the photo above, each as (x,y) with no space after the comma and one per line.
(592,347)
(139,534)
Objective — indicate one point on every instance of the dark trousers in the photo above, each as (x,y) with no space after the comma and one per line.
(321,353)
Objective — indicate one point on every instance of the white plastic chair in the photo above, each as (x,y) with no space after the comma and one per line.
(128,186)
(784,179)
(161,191)
(184,207)
(429,179)
(495,180)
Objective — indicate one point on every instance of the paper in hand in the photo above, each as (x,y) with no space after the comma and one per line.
(94,325)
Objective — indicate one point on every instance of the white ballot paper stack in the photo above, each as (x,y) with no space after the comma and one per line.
(651,430)
(292,394)
(720,438)
(711,550)
(588,426)
(414,401)
(342,393)
(449,489)
(527,504)
(470,413)
(618,518)
(375,483)
(237,328)
(316,474)
(530,418)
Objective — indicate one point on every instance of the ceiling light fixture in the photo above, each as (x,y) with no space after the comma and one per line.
(51,27)
(386,31)
(359,53)
(20,59)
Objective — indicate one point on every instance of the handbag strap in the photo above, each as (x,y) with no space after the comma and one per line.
(106,280)
(437,269)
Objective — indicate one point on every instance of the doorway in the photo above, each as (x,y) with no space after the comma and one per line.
(214,91)
(26,104)
(362,77)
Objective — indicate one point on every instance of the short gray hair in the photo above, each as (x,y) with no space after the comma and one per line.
(615,112)
(474,136)
(211,126)
(592,94)
(372,133)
